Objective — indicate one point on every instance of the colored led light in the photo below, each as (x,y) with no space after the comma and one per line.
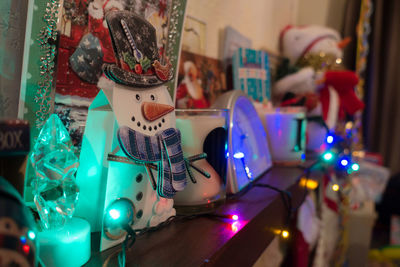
(115,214)
(235,227)
(329,139)
(328,156)
(235,217)
(31,235)
(344,162)
(238,155)
(309,183)
(285,234)
(26,249)
(355,167)
(335,187)
(23,239)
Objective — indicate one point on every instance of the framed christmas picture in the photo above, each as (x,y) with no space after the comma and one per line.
(200,81)
(194,35)
(12,34)
(70,41)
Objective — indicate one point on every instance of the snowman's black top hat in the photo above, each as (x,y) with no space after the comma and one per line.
(135,48)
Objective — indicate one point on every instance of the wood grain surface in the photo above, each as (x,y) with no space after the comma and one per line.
(212,241)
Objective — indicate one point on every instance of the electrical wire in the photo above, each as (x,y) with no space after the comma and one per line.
(286,197)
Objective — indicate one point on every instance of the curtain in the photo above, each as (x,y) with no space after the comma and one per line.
(382,91)
(351,17)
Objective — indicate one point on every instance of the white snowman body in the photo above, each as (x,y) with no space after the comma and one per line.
(123,178)
(303,81)
(127,105)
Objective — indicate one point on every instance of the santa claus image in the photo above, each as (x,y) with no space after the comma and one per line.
(189,93)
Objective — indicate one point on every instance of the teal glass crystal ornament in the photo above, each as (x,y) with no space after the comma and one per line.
(55,163)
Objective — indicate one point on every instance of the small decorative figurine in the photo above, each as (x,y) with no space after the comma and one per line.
(147,132)
(131,153)
(56,195)
(55,164)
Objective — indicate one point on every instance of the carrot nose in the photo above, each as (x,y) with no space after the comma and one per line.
(153,111)
(343,43)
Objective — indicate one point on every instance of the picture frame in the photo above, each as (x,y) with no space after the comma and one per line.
(194,35)
(12,34)
(201,80)
(42,60)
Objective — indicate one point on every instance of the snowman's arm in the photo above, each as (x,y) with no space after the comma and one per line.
(149,168)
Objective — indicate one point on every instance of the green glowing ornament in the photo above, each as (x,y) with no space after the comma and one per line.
(55,163)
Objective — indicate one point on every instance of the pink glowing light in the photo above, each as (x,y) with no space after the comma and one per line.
(235,227)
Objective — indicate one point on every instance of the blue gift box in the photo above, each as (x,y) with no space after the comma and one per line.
(251,73)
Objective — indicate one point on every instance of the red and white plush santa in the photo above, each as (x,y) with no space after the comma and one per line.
(296,42)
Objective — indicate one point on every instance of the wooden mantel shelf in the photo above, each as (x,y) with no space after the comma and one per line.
(215,242)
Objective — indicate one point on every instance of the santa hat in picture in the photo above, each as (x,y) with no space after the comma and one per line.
(97,11)
(112,4)
(295,42)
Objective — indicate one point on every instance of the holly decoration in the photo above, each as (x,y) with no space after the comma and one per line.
(130,60)
(141,66)
(138,69)
(145,63)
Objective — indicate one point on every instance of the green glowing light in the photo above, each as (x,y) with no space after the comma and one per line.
(115,214)
(328,156)
(355,167)
(31,235)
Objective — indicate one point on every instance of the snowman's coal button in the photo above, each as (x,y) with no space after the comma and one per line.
(150,128)
(159,124)
(133,118)
(155,127)
(163,120)
(144,127)
(139,214)
(139,196)
(138,123)
(139,178)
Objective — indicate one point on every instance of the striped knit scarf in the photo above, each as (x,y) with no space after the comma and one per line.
(163,149)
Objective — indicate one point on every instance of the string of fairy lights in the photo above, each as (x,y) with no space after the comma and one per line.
(337,156)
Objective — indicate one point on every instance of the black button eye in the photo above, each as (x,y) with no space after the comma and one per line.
(137,97)
(152,97)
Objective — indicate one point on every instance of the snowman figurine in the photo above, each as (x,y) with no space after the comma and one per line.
(144,111)
(297,42)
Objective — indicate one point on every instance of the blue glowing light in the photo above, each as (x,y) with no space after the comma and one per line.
(344,162)
(31,235)
(355,167)
(248,172)
(23,239)
(329,139)
(115,214)
(238,155)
